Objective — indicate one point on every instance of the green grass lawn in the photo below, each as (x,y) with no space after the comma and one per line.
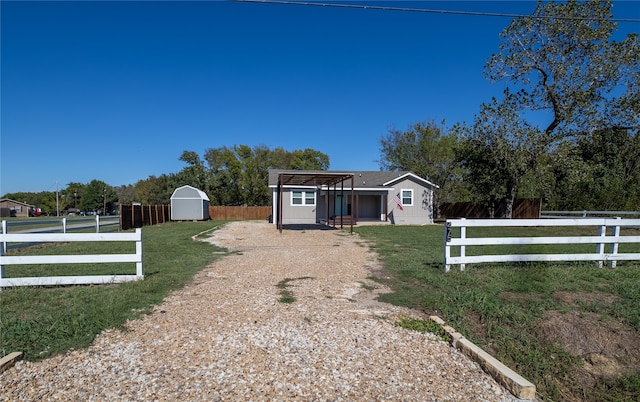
(506,308)
(43,321)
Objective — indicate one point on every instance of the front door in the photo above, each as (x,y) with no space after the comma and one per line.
(341,206)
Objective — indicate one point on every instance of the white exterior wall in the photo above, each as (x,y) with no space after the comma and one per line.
(293,214)
(186,209)
(188,203)
(420,213)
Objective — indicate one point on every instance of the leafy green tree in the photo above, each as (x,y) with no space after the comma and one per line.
(564,62)
(98,195)
(226,171)
(308,159)
(427,150)
(194,174)
(125,194)
(72,194)
(600,171)
(153,190)
(565,65)
(498,152)
(239,175)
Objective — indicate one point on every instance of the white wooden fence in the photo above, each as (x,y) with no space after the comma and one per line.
(70,259)
(601,254)
(587,214)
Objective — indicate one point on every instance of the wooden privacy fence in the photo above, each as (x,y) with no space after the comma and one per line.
(601,254)
(137,216)
(523,208)
(239,213)
(71,259)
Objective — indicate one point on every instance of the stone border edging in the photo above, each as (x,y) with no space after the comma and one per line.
(516,384)
(9,360)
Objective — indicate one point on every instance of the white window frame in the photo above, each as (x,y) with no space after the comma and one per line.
(402,197)
(304,198)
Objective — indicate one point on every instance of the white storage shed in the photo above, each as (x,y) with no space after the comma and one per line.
(189,204)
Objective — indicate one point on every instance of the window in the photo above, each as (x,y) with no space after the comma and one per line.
(303,197)
(407,197)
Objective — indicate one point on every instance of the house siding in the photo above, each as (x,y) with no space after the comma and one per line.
(294,214)
(21,209)
(420,213)
(372,201)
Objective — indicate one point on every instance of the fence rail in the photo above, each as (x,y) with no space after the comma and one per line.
(585,214)
(71,259)
(600,240)
(63,225)
(523,208)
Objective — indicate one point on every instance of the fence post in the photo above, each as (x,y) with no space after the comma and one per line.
(4,244)
(463,235)
(97,223)
(602,232)
(3,251)
(614,244)
(447,247)
(64,225)
(139,268)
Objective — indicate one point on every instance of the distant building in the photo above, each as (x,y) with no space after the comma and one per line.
(10,208)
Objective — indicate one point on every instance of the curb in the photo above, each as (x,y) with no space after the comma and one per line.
(9,360)
(515,383)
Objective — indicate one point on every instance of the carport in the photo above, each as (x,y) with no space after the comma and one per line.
(321,180)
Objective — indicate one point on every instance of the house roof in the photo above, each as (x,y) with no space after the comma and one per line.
(361,179)
(3,200)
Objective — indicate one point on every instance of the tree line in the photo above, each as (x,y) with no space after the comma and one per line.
(236,175)
(565,130)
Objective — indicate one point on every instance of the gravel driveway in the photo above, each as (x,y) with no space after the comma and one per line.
(228,337)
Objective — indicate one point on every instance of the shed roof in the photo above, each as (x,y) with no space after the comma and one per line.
(189,192)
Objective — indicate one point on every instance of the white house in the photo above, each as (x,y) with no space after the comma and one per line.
(309,197)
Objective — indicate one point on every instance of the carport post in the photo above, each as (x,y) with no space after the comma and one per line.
(353,204)
(279,206)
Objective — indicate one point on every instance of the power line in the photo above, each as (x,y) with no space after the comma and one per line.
(424,10)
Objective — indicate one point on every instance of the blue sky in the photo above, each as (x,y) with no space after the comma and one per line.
(115,91)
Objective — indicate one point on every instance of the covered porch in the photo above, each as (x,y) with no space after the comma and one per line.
(333,185)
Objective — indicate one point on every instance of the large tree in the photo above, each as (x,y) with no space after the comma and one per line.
(565,68)
(426,149)
(564,62)
(497,152)
(97,196)
(194,174)
(600,171)
(154,190)
(239,174)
